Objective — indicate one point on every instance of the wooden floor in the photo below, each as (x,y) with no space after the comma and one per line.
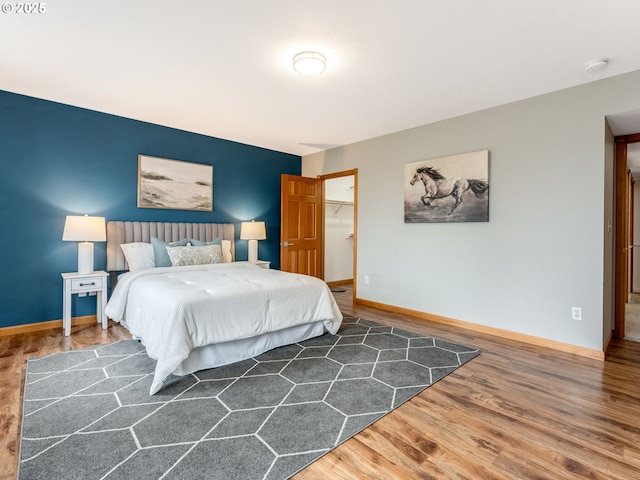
(516,411)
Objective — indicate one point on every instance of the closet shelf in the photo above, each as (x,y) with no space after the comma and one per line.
(340,204)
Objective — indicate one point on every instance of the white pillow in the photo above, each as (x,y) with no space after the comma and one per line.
(226,251)
(195,255)
(138,255)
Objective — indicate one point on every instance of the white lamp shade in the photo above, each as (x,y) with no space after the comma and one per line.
(253,231)
(83,228)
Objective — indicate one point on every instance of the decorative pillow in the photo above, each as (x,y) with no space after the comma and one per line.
(226,247)
(160,255)
(194,255)
(226,251)
(138,255)
(199,243)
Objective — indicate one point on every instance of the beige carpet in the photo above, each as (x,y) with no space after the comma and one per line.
(632,318)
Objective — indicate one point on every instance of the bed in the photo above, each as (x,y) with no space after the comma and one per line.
(195,317)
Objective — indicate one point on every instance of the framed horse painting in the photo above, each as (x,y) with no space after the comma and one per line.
(447,189)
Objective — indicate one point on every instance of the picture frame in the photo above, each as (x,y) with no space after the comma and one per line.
(447,189)
(174,184)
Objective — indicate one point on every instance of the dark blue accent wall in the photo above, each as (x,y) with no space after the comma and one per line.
(59,160)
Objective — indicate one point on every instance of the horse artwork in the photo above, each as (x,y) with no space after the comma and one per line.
(436,186)
(450,189)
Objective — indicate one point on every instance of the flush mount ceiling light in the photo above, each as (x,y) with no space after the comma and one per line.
(595,65)
(309,63)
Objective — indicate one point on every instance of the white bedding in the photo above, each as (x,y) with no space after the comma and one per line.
(175,310)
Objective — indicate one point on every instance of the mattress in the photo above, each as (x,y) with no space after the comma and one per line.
(240,308)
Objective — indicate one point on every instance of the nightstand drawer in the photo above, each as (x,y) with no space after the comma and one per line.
(86,284)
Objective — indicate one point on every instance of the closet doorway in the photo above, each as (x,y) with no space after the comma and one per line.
(340,207)
(627,307)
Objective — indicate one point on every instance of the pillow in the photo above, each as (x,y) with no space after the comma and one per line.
(195,255)
(160,255)
(226,247)
(226,251)
(198,243)
(138,255)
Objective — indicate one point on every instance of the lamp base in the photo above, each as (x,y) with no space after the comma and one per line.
(85,257)
(253,251)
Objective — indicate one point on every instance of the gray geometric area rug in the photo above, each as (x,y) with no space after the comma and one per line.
(88,413)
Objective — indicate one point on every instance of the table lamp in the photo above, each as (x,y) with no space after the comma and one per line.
(84,229)
(253,231)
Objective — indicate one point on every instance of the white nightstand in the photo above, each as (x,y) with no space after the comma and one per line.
(84,283)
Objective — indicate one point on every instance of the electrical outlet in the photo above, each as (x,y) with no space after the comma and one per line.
(366,279)
(576,313)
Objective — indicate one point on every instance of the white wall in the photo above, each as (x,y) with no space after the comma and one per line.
(608,220)
(338,229)
(543,249)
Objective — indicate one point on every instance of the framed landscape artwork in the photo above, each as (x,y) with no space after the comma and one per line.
(447,189)
(174,184)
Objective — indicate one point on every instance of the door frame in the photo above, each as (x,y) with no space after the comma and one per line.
(622,232)
(345,173)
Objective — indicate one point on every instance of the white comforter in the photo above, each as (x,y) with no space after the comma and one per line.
(174,310)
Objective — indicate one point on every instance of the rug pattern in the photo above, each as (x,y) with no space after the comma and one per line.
(88,414)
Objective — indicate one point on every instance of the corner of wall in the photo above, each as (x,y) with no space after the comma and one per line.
(313,164)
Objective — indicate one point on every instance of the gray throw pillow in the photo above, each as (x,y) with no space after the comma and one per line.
(199,243)
(160,254)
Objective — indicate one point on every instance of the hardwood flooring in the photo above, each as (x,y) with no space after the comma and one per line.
(515,412)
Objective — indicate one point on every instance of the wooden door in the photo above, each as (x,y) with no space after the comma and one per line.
(301,234)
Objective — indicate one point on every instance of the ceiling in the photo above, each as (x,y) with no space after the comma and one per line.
(223,68)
